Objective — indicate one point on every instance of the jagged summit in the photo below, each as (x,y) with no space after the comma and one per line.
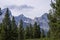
(21,15)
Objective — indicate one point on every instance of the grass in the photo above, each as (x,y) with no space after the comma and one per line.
(35,39)
(43,39)
(40,39)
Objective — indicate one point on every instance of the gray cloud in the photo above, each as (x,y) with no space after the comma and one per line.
(21,7)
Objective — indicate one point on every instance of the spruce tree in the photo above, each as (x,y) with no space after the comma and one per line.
(6,29)
(0,12)
(0,29)
(31,31)
(48,34)
(55,20)
(42,33)
(21,30)
(14,30)
(2,34)
(36,31)
(27,33)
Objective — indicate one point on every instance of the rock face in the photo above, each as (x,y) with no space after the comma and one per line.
(42,21)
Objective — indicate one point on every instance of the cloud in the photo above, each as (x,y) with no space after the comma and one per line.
(30,8)
(21,7)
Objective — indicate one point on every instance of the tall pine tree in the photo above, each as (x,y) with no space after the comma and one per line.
(55,20)
(0,12)
(0,29)
(31,31)
(36,31)
(27,33)
(21,31)
(42,33)
(14,30)
(6,29)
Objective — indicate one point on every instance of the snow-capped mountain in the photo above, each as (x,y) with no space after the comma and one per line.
(26,21)
(42,21)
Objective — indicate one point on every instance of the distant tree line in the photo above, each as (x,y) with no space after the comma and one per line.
(10,31)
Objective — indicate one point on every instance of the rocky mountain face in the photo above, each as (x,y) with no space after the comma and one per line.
(42,21)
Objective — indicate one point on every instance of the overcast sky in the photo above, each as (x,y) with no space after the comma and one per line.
(30,8)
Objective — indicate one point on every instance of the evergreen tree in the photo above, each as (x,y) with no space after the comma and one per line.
(42,33)
(0,29)
(31,31)
(0,23)
(3,33)
(14,30)
(0,12)
(6,29)
(48,34)
(36,31)
(21,31)
(55,20)
(27,33)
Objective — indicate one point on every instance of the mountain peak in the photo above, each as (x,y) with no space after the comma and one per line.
(45,14)
(21,15)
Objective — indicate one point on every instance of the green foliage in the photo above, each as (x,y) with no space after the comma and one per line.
(42,34)
(55,20)
(0,12)
(31,31)
(6,29)
(27,33)
(21,31)
(14,30)
(36,31)
(0,27)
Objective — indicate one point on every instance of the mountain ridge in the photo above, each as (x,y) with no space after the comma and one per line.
(42,21)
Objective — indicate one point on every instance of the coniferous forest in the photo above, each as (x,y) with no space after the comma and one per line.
(10,31)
